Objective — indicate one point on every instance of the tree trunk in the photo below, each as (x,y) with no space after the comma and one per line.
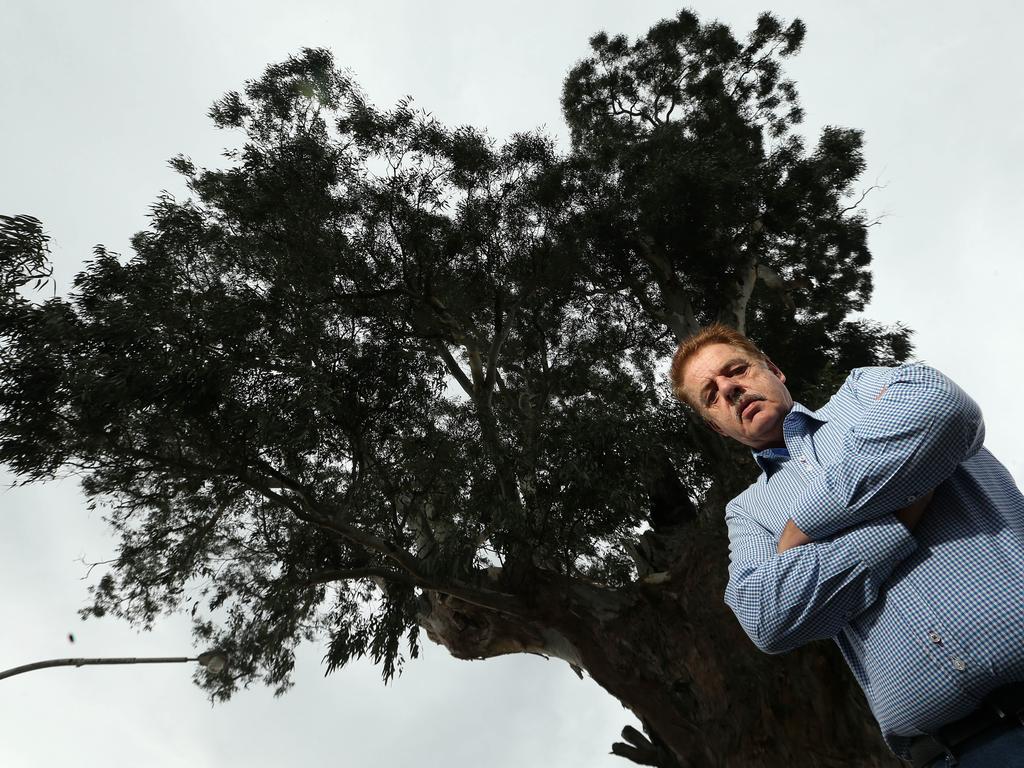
(669,649)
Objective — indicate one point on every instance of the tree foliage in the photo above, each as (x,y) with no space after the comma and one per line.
(377,358)
(703,189)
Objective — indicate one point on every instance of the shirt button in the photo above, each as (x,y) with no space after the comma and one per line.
(959,665)
(934,637)
(911,499)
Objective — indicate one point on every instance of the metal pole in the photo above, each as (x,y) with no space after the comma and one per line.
(82,662)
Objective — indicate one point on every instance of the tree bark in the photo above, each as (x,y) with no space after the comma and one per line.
(669,649)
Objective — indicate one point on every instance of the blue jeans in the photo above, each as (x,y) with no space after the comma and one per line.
(999,748)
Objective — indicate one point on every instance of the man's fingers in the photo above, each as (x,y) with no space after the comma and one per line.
(791,537)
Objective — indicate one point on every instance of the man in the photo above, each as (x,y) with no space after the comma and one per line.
(881,522)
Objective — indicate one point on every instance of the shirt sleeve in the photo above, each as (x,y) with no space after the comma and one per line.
(812,591)
(913,432)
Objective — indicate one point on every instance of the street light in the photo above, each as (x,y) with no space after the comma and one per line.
(215,661)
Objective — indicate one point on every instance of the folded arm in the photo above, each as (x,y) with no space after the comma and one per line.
(914,432)
(910,515)
(810,592)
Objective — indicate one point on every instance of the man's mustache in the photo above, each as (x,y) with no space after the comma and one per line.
(746,399)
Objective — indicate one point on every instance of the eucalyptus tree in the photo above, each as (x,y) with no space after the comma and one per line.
(380,377)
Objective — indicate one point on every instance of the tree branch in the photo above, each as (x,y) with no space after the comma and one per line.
(350,574)
(642,751)
(861,199)
(734,313)
(502,331)
(679,316)
(454,368)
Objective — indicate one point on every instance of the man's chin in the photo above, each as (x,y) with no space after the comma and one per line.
(764,427)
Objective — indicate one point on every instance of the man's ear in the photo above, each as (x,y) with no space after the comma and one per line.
(775,369)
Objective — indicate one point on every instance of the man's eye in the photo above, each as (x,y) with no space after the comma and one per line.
(711,398)
(739,370)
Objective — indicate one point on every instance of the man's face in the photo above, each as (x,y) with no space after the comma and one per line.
(739,395)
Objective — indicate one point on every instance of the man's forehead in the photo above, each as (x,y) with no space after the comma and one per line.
(710,360)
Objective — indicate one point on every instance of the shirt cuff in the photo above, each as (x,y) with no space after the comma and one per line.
(818,512)
(880,544)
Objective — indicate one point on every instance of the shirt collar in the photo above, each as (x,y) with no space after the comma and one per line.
(771,459)
(800,408)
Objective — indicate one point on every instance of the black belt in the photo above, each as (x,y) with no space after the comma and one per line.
(1003,707)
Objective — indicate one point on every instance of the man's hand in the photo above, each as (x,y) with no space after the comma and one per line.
(791,537)
(911,514)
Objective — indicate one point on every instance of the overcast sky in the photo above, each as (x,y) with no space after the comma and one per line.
(97,96)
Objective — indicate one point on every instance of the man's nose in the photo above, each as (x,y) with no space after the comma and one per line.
(729,389)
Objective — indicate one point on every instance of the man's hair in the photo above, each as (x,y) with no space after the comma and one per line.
(712,334)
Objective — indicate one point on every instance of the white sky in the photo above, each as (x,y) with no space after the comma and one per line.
(98,96)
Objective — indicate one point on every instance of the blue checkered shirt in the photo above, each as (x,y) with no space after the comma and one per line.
(930,620)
